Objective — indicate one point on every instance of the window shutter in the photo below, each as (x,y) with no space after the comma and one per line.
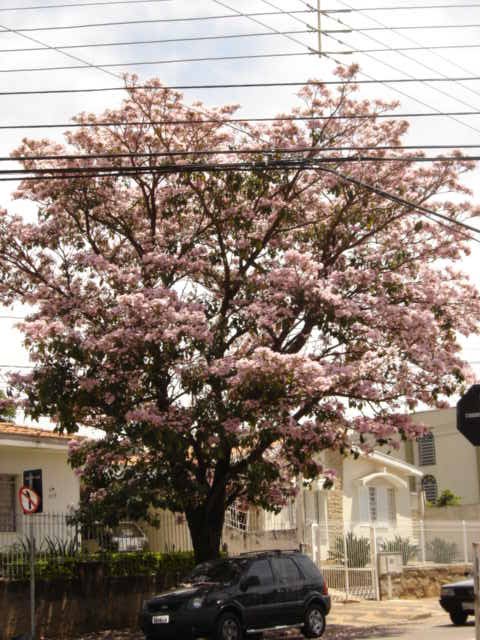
(363,510)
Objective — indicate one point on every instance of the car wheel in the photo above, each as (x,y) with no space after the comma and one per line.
(458,617)
(314,621)
(229,627)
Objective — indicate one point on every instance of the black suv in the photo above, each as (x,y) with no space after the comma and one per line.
(242,596)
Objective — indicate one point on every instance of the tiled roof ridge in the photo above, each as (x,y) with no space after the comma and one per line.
(10,428)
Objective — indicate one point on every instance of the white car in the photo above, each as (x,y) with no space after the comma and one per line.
(127,536)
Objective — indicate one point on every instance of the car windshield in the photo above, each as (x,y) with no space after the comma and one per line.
(224,571)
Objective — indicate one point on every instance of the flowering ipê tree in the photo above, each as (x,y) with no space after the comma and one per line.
(224,327)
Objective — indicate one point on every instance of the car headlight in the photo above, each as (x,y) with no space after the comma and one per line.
(197,602)
(448,591)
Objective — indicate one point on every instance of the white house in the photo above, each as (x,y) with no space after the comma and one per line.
(36,456)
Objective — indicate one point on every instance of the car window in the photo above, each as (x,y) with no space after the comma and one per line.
(225,571)
(263,570)
(286,569)
(308,568)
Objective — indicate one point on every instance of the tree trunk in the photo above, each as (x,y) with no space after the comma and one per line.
(206,526)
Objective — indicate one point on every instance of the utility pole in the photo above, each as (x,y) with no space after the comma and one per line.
(476,582)
(319,29)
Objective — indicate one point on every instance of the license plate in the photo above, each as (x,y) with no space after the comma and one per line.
(160,619)
(468,606)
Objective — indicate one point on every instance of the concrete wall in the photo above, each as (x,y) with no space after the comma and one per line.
(468,512)
(421,582)
(456,465)
(66,609)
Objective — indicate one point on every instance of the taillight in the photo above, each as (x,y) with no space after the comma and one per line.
(325,588)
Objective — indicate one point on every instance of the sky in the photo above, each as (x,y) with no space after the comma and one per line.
(291,57)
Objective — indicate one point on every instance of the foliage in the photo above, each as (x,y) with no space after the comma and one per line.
(224,327)
(7,408)
(441,551)
(447,499)
(176,565)
(401,545)
(358,550)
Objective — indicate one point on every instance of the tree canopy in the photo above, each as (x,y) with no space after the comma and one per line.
(224,326)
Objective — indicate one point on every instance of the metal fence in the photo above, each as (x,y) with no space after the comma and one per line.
(56,540)
(347,553)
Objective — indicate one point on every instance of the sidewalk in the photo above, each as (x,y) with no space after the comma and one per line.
(391,612)
(366,619)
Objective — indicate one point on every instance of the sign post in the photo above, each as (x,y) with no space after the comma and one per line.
(476,582)
(468,423)
(30,502)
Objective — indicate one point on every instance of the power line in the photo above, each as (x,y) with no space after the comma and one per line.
(425,66)
(53,48)
(414,27)
(408,7)
(106,123)
(196,167)
(164,41)
(158,20)
(79,4)
(243,85)
(159,62)
(425,104)
(390,66)
(215,152)
(402,201)
(398,49)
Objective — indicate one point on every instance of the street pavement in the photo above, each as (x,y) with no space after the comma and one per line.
(364,620)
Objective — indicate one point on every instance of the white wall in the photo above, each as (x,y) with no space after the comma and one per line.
(61,488)
(353,470)
(456,465)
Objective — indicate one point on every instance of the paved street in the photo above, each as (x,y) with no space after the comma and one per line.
(395,619)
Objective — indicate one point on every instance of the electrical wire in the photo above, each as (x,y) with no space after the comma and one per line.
(425,66)
(242,14)
(401,201)
(53,48)
(408,8)
(155,21)
(425,104)
(397,49)
(198,167)
(141,123)
(160,62)
(165,41)
(215,152)
(112,3)
(243,85)
(427,27)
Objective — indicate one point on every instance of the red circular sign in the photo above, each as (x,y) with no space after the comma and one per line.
(29,500)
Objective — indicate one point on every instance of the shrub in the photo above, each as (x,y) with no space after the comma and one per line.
(441,551)
(358,550)
(401,545)
(447,499)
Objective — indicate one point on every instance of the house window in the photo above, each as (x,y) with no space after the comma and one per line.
(392,505)
(7,503)
(382,506)
(426,450)
(429,485)
(372,503)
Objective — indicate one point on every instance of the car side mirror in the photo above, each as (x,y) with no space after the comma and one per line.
(248,583)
